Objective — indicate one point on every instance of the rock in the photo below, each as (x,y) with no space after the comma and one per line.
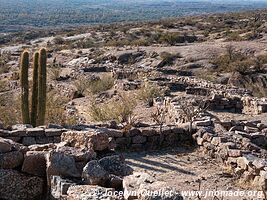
(139,139)
(15,185)
(125,58)
(114,182)
(5,145)
(115,165)
(249,129)
(246,160)
(94,174)
(259,163)
(112,132)
(79,155)
(21,126)
(206,122)
(11,160)
(35,132)
(91,192)
(218,140)
(27,141)
(50,132)
(200,141)
(148,131)
(59,187)
(17,133)
(54,126)
(92,139)
(234,153)
(60,165)
(35,163)
(42,147)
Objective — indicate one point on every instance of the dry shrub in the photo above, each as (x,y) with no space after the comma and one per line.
(120,109)
(106,82)
(55,110)
(54,73)
(10,109)
(96,86)
(233,61)
(168,58)
(148,92)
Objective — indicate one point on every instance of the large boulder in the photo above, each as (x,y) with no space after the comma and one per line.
(5,145)
(11,160)
(115,165)
(79,155)
(58,164)
(15,185)
(35,163)
(94,174)
(106,172)
(92,139)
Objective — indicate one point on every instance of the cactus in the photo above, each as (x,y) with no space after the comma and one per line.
(24,68)
(42,87)
(34,90)
(38,106)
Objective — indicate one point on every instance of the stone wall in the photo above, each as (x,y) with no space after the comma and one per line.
(30,136)
(254,105)
(140,138)
(240,146)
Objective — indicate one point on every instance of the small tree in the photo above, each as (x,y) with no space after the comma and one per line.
(189,112)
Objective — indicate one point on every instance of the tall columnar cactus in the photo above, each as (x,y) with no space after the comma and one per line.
(34,90)
(42,87)
(38,101)
(24,70)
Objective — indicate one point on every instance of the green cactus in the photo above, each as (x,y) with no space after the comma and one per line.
(24,70)
(34,90)
(42,87)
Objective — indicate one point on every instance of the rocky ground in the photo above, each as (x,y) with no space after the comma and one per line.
(178,104)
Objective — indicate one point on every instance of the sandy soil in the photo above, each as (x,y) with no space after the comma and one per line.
(188,170)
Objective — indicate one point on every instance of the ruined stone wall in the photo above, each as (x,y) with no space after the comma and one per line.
(240,146)
(142,138)
(30,136)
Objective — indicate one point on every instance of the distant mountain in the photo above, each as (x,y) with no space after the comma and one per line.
(41,13)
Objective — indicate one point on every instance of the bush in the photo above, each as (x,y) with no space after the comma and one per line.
(96,86)
(55,110)
(168,58)
(58,40)
(173,38)
(119,110)
(148,92)
(106,82)
(10,110)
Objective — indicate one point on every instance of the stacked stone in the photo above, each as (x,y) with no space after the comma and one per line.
(240,145)
(27,135)
(220,102)
(25,170)
(253,105)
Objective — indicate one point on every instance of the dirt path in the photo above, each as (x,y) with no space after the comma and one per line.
(186,170)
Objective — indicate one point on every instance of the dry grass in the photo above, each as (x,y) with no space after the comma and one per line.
(148,92)
(10,110)
(120,109)
(55,110)
(85,86)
